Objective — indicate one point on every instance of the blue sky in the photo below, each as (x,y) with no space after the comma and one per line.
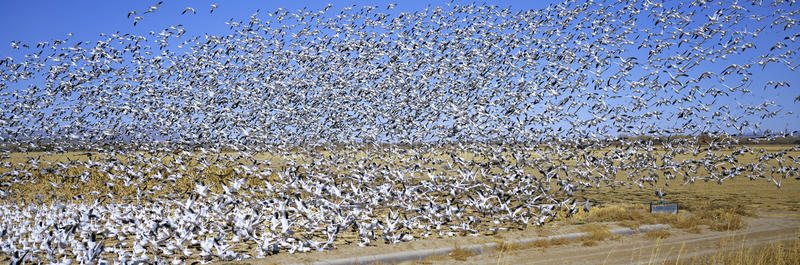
(30,22)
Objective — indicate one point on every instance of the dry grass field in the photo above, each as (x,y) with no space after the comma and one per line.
(86,169)
(705,205)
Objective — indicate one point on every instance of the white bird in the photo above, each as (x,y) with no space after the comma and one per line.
(153,8)
(286,133)
(188,9)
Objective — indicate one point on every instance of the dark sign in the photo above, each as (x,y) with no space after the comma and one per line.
(664,207)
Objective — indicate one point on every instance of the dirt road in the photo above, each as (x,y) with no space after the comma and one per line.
(768,227)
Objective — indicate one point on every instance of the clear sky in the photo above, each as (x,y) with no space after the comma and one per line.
(33,21)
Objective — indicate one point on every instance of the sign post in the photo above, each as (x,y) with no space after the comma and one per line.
(663,207)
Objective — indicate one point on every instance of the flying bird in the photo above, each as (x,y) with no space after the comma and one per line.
(153,8)
(187,10)
(308,130)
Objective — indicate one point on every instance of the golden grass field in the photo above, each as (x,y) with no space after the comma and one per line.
(716,206)
(44,186)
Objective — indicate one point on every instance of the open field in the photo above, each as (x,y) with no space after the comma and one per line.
(254,205)
(111,174)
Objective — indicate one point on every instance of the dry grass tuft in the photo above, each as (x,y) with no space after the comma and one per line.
(630,224)
(787,252)
(705,207)
(686,222)
(541,243)
(559,241)
(695,230)
(657,234)
(612,214)
(461,254)
(722,217)
(717,217)
(506,246)
(726,221)
(597,232)
(431,260)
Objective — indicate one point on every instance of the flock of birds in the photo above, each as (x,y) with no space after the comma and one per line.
(300,131)
(153,8)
